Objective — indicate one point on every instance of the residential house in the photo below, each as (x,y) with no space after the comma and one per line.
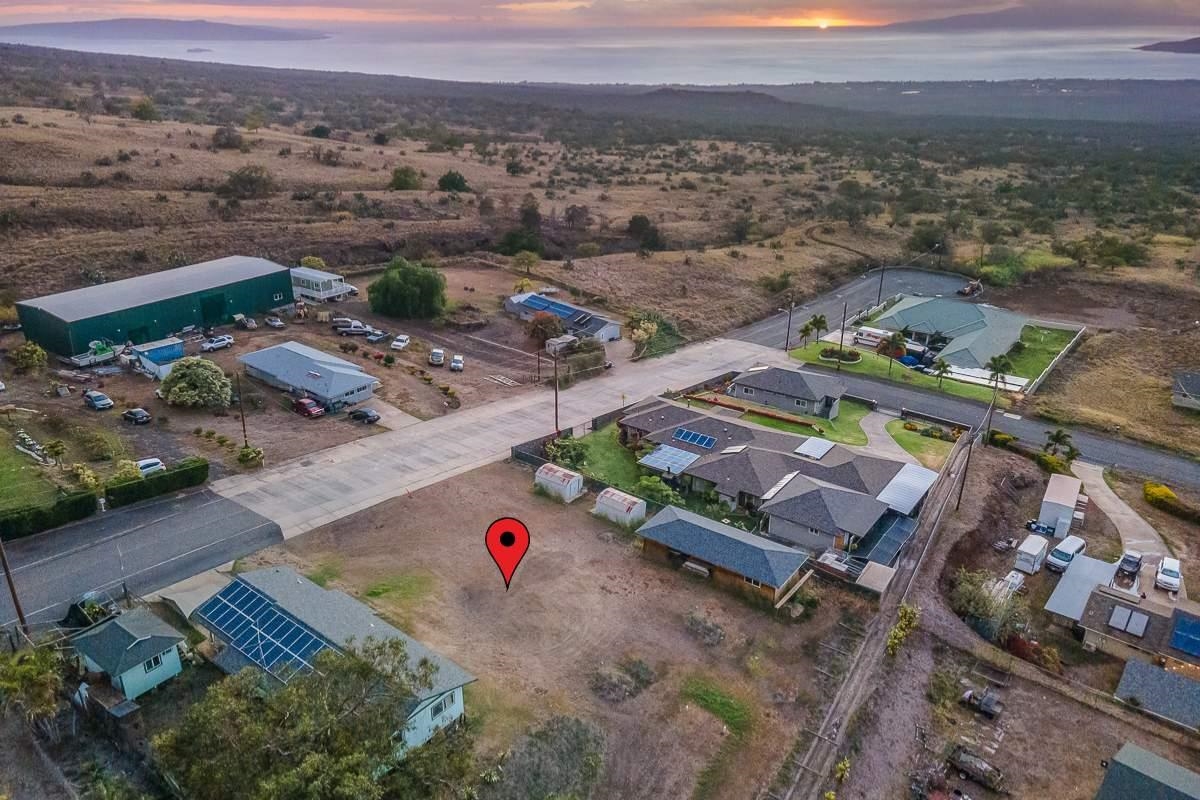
(1070,597)
(1161,692)
(790,390)
(1138,773)
(318,285)
(1185,392)
(307,372)
(1130,627)
(277,621)
(969,334)
(137,650)
(577,320)
(730,556)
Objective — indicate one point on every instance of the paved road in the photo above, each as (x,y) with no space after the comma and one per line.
(858,295)
(147,546)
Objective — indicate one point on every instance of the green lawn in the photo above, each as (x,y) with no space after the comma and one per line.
(875,365)
(846,429)
(932,453)
(21,480)
(610,461)
(1041,346)
(738,717)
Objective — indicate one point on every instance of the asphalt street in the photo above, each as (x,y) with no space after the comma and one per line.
(858,295)
(146,547)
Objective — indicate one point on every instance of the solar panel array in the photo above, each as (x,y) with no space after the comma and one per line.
(539,303)
(691,437)
(1186,636)
(249,622)
(669,459)
(1128,620)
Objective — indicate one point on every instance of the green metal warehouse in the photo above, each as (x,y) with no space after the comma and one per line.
(154,306)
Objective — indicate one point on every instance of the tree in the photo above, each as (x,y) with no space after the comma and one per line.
(327,734)
(545,325)
(226,137)
(562,760)
(577,217)
(641,334)
(55,449)
(312,262)
(531,214)
(408,290)
(1056,440)
(806,330)
(998,367)
(741,228)
(526,260)
(927,238)
(145,110)
(819,323)
(522,286)
(638,225)
(254,120)
(380,138)
(891,346)
(452,181)
(652,487)
(405,179)
(197,383)
(30,683)
(991,232)
(941,368)
(126,471)
(519,239)
(320,132)
(248,183)
(26,357)
(568,452)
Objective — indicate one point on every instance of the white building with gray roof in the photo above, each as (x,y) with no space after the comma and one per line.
(307,372)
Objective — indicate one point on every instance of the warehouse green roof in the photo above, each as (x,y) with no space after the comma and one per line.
(94,301)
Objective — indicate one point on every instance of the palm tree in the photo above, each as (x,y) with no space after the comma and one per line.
(1056,439)
(806,331)
(941,369)
(998,367)
(895,343)
(819,323)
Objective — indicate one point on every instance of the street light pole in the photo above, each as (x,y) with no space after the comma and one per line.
(842,337)
(237,376)
(12,589)
(787,336)
(556,430)
(882,270)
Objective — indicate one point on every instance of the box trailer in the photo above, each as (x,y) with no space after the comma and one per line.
(1031,555)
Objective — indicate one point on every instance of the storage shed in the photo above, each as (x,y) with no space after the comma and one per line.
(562,483)
(1058,504)
(621,508)
(153,306)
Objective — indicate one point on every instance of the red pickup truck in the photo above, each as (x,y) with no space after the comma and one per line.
(308,408)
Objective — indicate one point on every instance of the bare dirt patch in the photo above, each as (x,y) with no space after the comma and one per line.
(583,598)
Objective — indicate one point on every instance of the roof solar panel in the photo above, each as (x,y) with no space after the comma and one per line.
(249,622)
(669,459)
(1186,636)
(1137,623)
(1119,618)
(692,437)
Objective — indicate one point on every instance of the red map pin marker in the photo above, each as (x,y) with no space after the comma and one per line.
(507,539)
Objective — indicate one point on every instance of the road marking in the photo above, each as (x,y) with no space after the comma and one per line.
(1011,416)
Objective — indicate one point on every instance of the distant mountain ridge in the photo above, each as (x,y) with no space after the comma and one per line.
(149,29)
(1185,46)
(1030,18)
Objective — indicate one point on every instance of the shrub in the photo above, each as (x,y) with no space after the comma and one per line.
(1000,439)
(88,479)
(1055,465)
(227,138)
(651,487)
(908,619)
(27,357)
(452,181)
(186,473)
(249,455)
(96,445)
(34,519)
(247,183)
(405,179)
(1161,497)
(197,383)
(588,250)
(847,355)
(145,110)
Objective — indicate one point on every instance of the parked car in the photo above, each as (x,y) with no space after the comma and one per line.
(274,322)
(401,341)
(1130,564)
(307,407)
(437,357)
(377,337)
(98,401)
(457,363)
(246,323)
(217,343)
(355,328)
(136,416)
(149,466)
(341,322)
(1039,527)
(368,416)
(1168,575)
(1062,555)
(353,289)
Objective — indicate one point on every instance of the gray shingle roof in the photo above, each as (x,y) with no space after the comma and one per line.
(308,369)
(1084,573)
(655,416)
(103,298)
(1187,383)
(127,640)
(753,471)
(1167,694)
(825,508)
(723,546)
(792,383)
(340,619)
(1138,773)
(1155,638)
(976,331)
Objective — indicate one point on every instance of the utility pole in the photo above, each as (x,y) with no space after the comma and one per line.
(963,484)
(12,589)
(237,376)
(556,430)
(787,335)
(842,337)
(882,270)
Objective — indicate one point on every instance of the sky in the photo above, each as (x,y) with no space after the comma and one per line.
(573,13)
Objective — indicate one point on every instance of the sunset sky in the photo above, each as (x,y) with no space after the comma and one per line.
(568,13)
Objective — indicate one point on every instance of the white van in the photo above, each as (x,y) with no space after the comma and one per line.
(1032,554)
(1061,556)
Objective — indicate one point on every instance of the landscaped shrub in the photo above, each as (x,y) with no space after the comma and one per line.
(35,519)
(1002,439)
(1055,465)
(1161,497)
(847,355)
(186,473)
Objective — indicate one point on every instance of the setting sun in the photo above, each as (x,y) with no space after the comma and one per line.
(823,24)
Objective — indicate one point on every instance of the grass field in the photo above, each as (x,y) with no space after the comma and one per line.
(1041,346)
(738,718)
(932,453)
(21,481)
(846,429)
(876,366)
(608,460)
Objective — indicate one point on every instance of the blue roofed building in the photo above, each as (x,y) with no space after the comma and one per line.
(307,372)
(578,321)
(729,556)
(277,621)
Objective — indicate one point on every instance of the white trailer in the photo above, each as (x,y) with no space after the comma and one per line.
(1031,555)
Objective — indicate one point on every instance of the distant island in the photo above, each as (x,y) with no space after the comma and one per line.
(199,50)
(1185,46)
(196,30)
(1039,17)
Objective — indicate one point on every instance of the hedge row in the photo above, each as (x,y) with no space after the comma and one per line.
(1161,497)
(1047,461)
(35,519)
(188,472)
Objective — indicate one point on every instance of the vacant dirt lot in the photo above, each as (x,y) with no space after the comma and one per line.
(583,598)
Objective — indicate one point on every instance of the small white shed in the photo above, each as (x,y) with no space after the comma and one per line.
(621,508)
(1058,504)
(558,481)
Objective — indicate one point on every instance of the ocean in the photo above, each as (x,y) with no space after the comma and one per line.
(693,56)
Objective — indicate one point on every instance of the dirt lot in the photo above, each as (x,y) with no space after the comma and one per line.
(582,598)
